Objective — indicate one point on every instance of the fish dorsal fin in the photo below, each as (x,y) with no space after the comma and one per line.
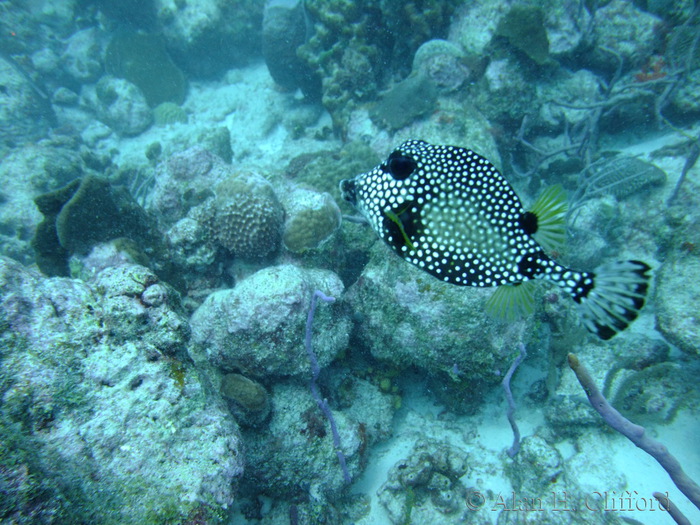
(550,209)
(512,301)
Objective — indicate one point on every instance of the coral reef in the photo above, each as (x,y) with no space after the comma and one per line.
(245,217)
(167,113)
(182,349)
(425,487)
(351,45)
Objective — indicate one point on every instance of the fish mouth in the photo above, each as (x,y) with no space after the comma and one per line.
(348,191)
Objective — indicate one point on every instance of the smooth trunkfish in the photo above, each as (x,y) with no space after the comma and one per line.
(449,211)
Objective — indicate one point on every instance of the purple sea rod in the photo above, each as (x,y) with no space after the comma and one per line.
(315,371)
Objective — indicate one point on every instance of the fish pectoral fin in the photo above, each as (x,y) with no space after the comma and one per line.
(512,301)
(550,209)
(404,223)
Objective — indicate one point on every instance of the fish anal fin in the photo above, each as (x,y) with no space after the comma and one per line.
(510,302)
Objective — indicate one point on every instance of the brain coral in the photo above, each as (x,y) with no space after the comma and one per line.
(245,217)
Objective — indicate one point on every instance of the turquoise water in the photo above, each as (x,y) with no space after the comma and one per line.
(171,202)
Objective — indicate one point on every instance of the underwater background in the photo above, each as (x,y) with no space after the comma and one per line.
(172,233)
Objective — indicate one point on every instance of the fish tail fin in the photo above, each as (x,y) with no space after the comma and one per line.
(610,298)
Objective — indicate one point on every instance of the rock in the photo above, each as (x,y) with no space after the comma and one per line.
(258,327)
(98,400)
(626,30)
(142,59)
(183,181)
(194,32)
(122,106)
(25,114)
(286,26)
(409,318)
(82,58)
(405,102)
(678,323)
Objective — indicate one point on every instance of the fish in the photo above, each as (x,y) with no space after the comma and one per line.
(449,211)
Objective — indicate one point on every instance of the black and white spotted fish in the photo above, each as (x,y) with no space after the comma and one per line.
(449,211)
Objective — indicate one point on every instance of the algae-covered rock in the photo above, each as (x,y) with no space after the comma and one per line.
(442,62)
(408,100)
(410,318)
(286,26)
(523,27)
(247,399)
(295,454)
(87,410)
(143,60)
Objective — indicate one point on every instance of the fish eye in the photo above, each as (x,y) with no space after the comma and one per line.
(401,166)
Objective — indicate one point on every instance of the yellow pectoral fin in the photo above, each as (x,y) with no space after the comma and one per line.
(395,219)
(550,210)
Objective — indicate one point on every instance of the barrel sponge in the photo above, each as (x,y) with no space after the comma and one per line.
(142,59)
(312,218)
(245,217)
